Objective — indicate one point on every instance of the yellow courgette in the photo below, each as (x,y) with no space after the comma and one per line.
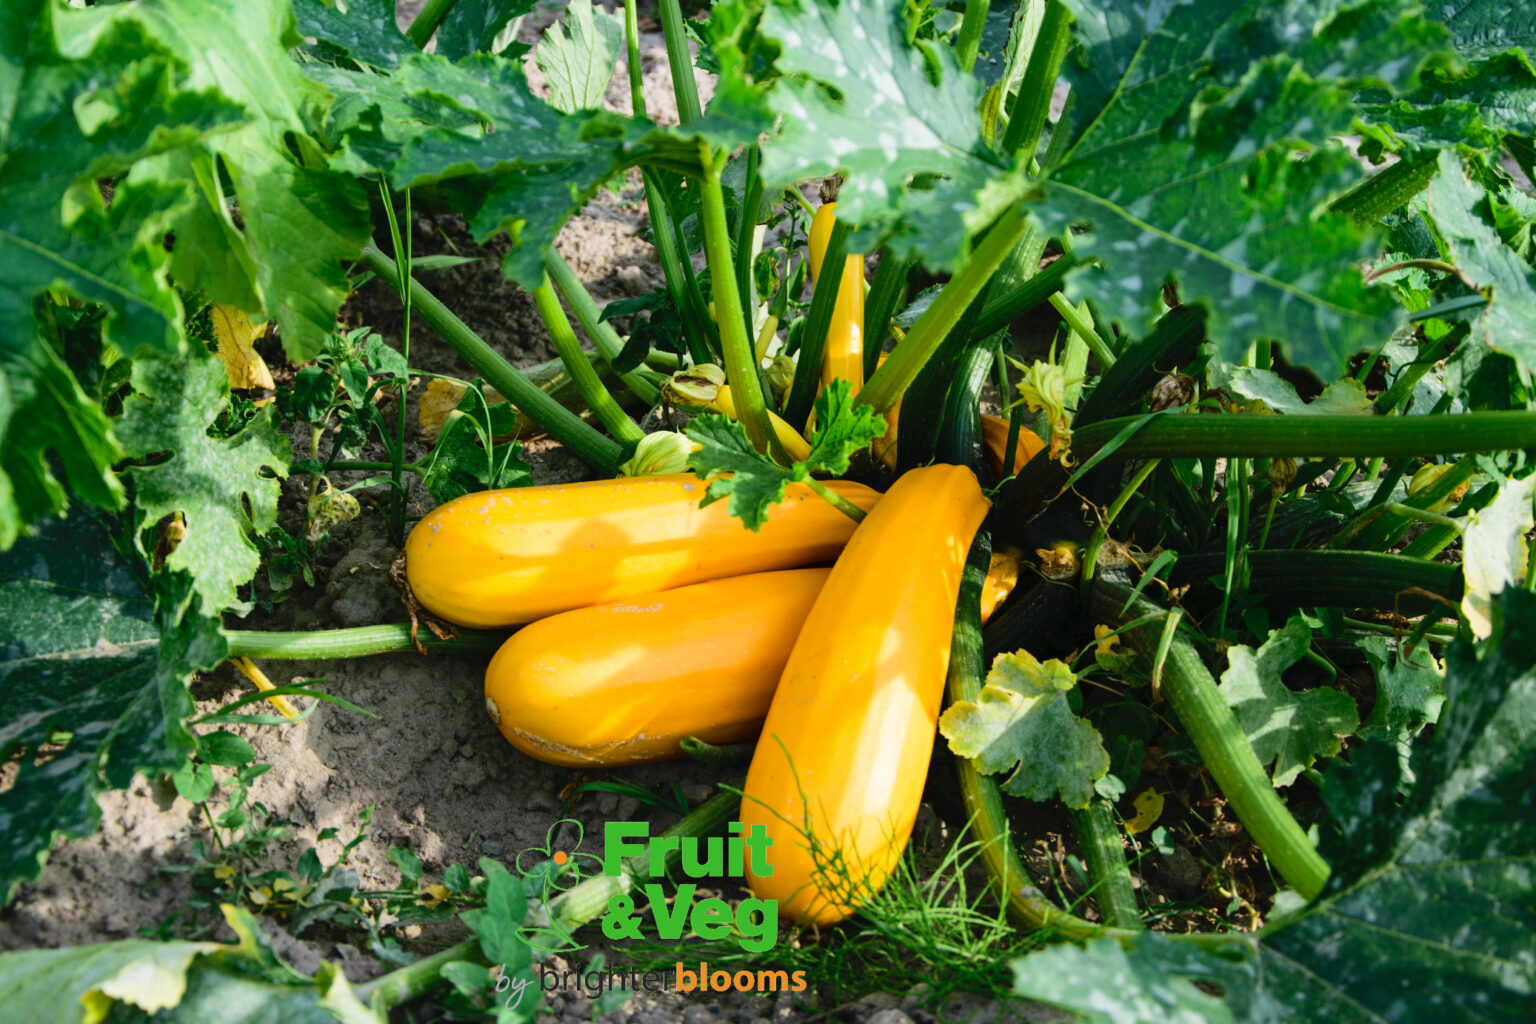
(499,558)
(844,751)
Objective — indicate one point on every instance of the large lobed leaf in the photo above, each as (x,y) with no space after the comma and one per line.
(212,483)
(1286,727)
(1187,123)
(898,113)
(1458,207)
(300,219)
(85,689)
(1427,915)
(1021,724)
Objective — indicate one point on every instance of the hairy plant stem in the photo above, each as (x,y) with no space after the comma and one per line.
(1238,436)
(839,502)
(971,27)
(680,60)
(604,338)
(891,380)
(1032,105)
(406,983)
(585,442)
(1099,836)
(1083,329)
(427,20)
(1222,744)
(735,341)
(357,642)
(587,382)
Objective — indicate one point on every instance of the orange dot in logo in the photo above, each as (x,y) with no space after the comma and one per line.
(560,857)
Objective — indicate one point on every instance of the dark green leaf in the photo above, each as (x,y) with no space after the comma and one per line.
(499,926)
(908,121)
(471,26)
(222,487)
(85,662)
(366,32)
(1185,164)
(1482,28)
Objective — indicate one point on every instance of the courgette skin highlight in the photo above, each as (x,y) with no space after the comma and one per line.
(839,771)
(501,558)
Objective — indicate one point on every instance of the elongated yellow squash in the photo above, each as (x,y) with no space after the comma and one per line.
(844,354)
(623,683)
(838,773)
(498,558)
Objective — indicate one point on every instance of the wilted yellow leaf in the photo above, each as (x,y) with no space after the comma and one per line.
(441,398)
(1149,807)
(237,336)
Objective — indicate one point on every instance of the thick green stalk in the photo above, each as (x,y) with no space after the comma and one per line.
(735,342)
(632,56)
(565,426)
(1083,328)
(1004,303)
(1099,836)
(427,20)
(971,27)
(1236,436)
(603,336)
(1220,740)
(357,642)
(837,501)
(1033,103)
(680,60)
(675,269)
(886,292)
(406,983)
(1333,578)
(566,343)
(983,799)
(901,369)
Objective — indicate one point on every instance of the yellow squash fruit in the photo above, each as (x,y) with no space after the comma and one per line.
(844,355)
(839,771)
(625,683)
(499,558)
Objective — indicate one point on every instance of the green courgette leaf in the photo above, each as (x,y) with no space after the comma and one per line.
(365,31)
(919,172)
(226,489)
(753,482)
(578,66)
(136,980)
(299,220)
(1458,207)
(93,685)
(1022,724)
(1287,727)
(1190,124)
(1427,914)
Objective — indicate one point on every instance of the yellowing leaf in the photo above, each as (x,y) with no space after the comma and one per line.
(237,336)
(1495,554)
(155,979)
(1149,807)
(1021,722)
(440,398)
